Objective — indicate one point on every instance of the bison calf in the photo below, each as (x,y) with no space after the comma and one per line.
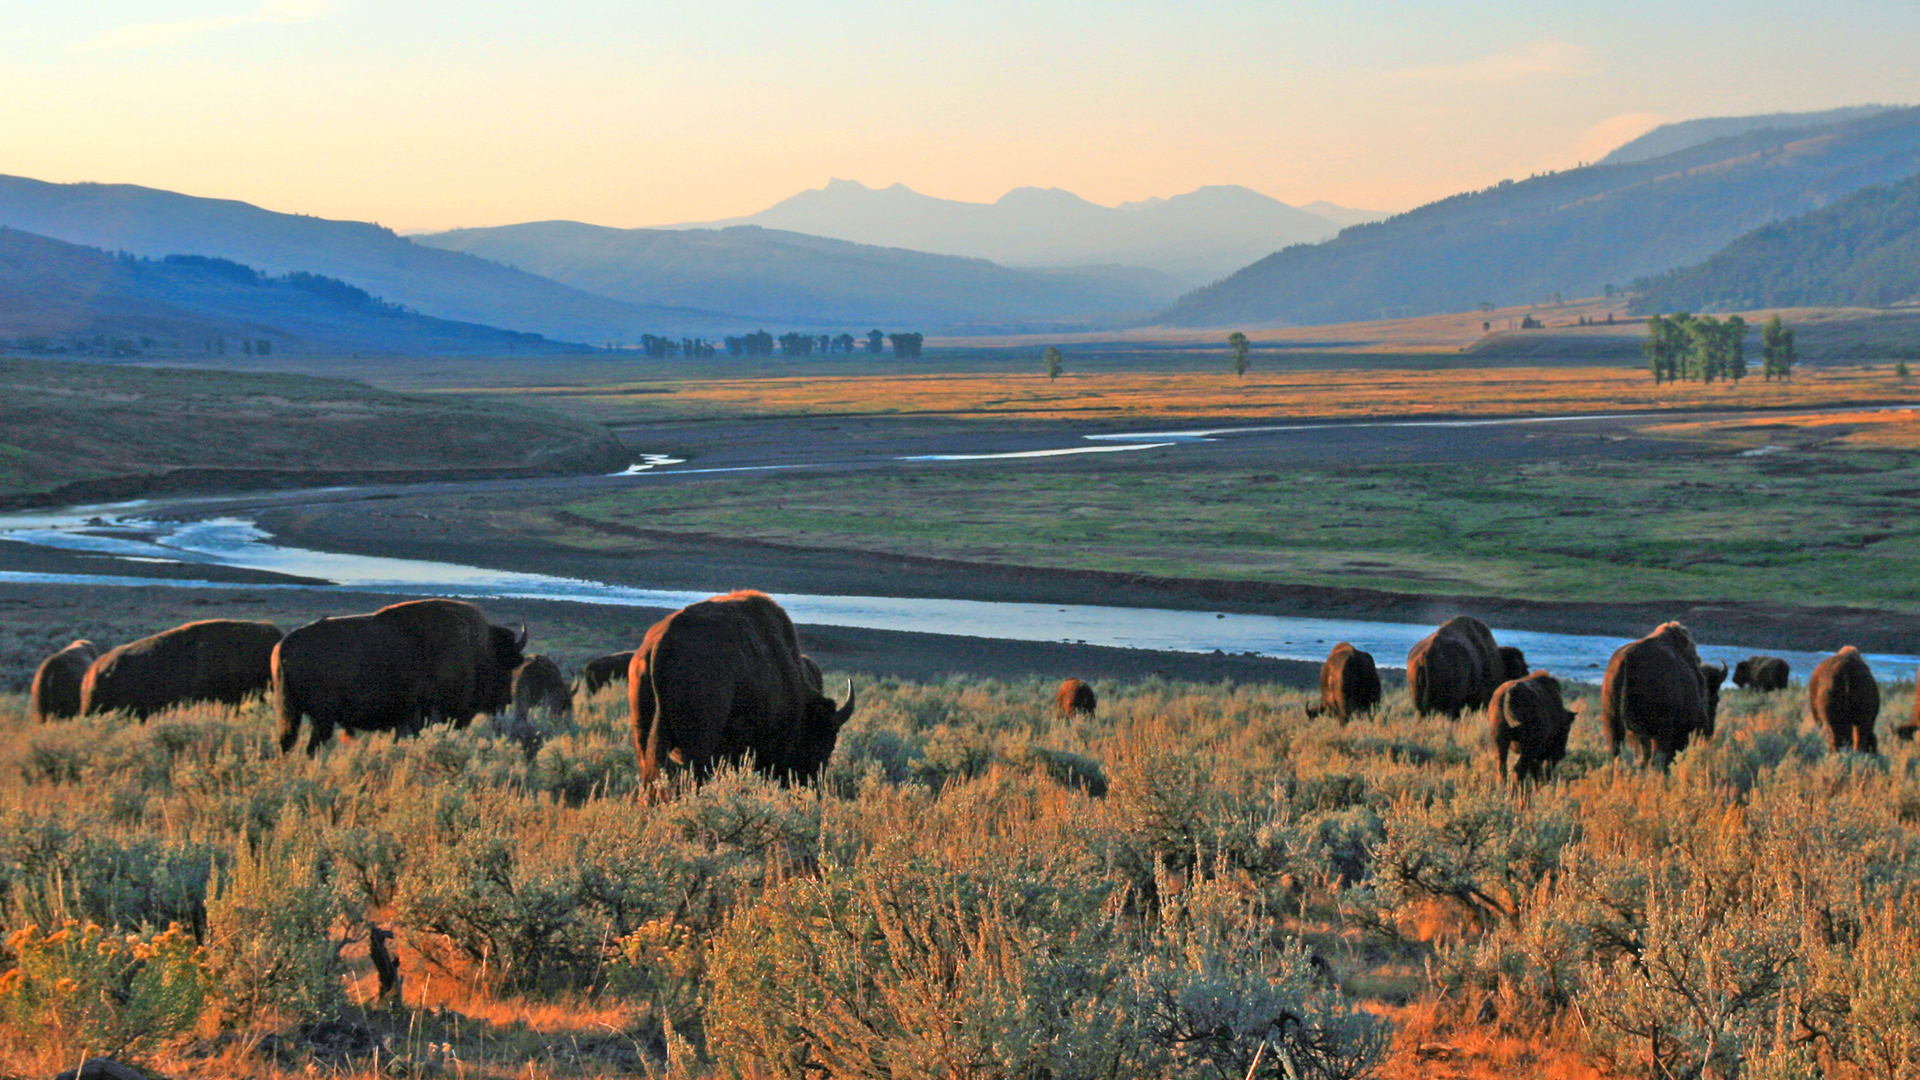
(1529,714)
(538,684)
(56,684)
(1349,683)
(1846,701)
(1074,698)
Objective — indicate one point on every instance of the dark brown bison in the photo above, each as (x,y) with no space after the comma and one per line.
(602,670)
(1454,668)
(538,684)
(1657,693)
(1529,714)
(393,670)
(723,679)
(1513,663)
(1761,673)
(1074,698)
(1349,683)
(211,660)
(1846,701)
(56,684)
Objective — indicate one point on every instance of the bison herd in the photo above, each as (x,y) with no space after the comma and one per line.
(724,681)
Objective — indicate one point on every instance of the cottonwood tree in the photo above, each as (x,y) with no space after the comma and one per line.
(1237,341)
(1777,351)
(1050,361)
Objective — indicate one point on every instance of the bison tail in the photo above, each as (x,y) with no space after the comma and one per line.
(289,706)
(1417,685)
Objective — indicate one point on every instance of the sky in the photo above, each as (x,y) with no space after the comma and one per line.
(431,114)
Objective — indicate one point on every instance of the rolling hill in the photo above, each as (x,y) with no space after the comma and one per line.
(445,284)
(1863,251)
(1576,232)
(1194,237)
(791,278)
(61,297)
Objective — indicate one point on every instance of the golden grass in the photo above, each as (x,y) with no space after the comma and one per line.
(1889,429)
(1327,395)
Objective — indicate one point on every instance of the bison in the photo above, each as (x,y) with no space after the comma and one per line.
(1513,663)
(1528,714)
(538,684)
(393,670)
(724,679)
(1845,701)
(1349,683)
(606,669)
(1761,673)
(56,684)
(1658,693)
(212,660)
(1454,668)
(1074,698)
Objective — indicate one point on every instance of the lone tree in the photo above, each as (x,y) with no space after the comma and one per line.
(1237,341)
(1050,360)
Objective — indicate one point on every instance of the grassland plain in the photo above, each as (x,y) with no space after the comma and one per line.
(976,889)
(66,422)
(1820,518)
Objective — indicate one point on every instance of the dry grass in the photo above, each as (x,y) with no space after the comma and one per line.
(1185,395)
(1231,827)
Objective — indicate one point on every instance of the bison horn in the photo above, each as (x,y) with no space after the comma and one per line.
(520,642)
(845,712)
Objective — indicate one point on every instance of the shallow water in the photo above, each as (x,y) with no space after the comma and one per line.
(239,543)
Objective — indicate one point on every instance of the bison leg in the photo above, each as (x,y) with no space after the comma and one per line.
(319,731)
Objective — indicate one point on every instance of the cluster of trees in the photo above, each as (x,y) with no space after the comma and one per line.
(1684,347)
(906,346)
(666,348)
(118,345)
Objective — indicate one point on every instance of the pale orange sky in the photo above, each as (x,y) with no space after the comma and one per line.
(433,114)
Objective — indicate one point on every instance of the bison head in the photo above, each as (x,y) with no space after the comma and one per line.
(508,646)
(820,729)
(1711,676)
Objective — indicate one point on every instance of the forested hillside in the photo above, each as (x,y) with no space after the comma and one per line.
(1863,251)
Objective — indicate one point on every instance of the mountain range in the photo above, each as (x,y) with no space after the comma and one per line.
(58,297)
(1575,233)
(798,280)
(448,285)
(1683,134)
(1193,238)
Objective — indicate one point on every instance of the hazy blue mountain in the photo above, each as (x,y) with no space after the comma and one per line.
(1573,232)
(61,297)
(1863,251)
(1668,138)
(145,221)
(792,278)
(1194,237)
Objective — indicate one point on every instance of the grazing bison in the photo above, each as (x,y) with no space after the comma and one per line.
(606,669)
(211,660)
(1349,683)
(56,684)
(722,679)
(1513,663)
(1074,698)
(1529,714)
(1658,693)
(1846,701)
(1760,673)
(538,684)
(1454,668)
(393,670)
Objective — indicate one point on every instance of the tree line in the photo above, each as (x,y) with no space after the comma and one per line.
(906,346)
(1683,347)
